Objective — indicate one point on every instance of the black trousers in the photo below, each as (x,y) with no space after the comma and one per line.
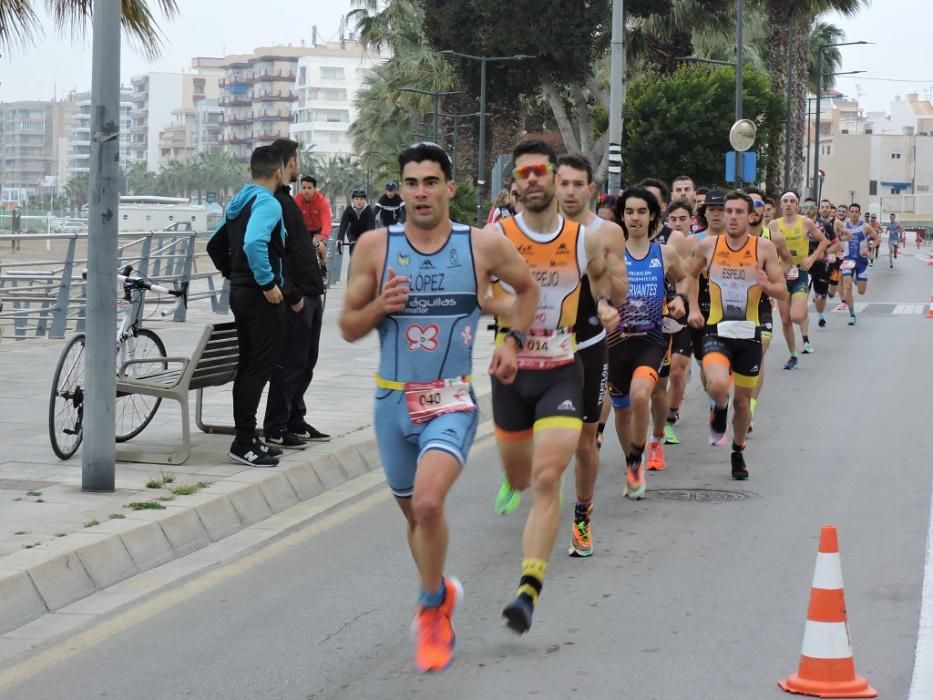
(291,377)
(259,327)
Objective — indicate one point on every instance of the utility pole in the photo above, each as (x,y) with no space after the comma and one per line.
(98,468)
(791,36)
(739,50)
(616,95)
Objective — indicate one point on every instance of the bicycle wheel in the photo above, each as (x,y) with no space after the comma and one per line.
(66,403)
(135,411)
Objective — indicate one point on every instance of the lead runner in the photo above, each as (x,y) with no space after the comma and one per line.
(419,284)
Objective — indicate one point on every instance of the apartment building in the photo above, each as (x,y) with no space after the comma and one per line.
(328,80)
(31,139)
(78,144)
(192,132)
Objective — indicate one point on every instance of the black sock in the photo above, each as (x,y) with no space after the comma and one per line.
(806,339)
(736,447)
(634,457)
(673,415)
(720,418)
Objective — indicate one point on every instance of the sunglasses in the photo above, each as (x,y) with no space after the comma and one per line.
(538,170)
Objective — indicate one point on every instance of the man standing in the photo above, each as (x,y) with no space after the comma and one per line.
(247,248)
(390,209)
(739,268)
(284,422)
(895,235)
(425,409)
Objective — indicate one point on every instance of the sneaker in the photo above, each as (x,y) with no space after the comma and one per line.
(822,323)
(518,614)
(718,424)
(309,433)
(792,362)
(852,320)
(751,427)
(656,456)
(635,483)
(270,450)
(807,347)
(251,454)
(670,437)
(434,639)
(508,498)
(288,440)
(739,470)
(453,594)
(581,540)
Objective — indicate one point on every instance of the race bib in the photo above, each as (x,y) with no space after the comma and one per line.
(792,274)
(546,349)
(737,330)
(848,264)
(428,400)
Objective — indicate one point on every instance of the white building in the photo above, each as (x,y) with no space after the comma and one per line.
(79,134)
(327,82)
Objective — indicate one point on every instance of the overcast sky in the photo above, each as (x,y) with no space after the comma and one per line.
(56,65)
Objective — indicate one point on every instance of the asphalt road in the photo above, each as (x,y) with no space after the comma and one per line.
(681,600)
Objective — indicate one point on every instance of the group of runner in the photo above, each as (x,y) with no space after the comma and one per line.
(593,314)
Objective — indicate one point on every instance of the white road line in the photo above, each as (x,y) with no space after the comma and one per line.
(921,685)
(899,309)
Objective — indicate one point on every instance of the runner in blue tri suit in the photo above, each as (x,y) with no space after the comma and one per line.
(855,247)
(419,284)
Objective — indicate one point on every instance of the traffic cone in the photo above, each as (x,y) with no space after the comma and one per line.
(827,669)
(930,257)
(930,311)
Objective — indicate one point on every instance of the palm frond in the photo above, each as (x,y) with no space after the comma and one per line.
(138,20)
(19,24)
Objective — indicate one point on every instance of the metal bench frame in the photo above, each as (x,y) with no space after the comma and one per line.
(212,363)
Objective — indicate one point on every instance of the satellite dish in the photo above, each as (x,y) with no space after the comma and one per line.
(742,134)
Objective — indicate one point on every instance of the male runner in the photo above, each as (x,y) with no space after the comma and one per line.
(638,344)
(822,270)
(871,222)
(538,416)
(684,190)
(895,237)
(769,211)
(739,267)
(679,216)
(419,284)
(796,229)
(835,272)
(857,240)
(575,189)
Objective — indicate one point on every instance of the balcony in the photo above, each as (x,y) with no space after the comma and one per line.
(243,100)
(273,114)
(244,118)
(275,76)
(243,78)
(234,140)
(274,95)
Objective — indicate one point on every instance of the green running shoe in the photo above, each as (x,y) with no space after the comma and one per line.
(670,437)
(508,498)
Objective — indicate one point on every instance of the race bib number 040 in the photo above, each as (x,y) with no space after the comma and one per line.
(546,349)
(428,400)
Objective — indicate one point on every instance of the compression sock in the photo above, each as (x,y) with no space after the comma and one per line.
(754,405)
(532,580)
(427,599)
(806,339)
(633,459)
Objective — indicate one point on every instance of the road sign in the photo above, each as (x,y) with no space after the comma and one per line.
(749,166)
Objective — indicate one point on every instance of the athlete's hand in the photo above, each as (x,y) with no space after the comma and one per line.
(677,308)
(695,319)
(608,315)
(394,293)
(504,365)
(806,263)
(274,295)
(764,281)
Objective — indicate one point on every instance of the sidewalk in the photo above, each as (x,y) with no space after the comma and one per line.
(59,544)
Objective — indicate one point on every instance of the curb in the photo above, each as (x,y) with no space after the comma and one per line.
(42,580)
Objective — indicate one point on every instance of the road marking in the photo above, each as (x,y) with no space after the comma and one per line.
(921,684)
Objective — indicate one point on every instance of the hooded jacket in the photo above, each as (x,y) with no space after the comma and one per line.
(249,244)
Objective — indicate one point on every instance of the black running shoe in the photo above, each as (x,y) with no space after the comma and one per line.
(739,470)
(270,450)
(309,433)
(251,454)
(288,440)
(518,614)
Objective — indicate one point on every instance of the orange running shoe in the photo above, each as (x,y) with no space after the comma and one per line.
(656,456)
(434,634)
(635,483)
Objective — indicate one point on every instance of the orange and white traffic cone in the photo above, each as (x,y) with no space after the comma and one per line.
(930,257)
(827,668)
(930,310)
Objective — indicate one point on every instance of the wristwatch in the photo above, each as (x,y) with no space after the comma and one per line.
(518,337)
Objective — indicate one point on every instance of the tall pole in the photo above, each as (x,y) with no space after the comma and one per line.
(97,461)
(453,165)
(819,110)
(616,90)
(809,102)
(788,89)
(437,99)
(481,180)
(739,50)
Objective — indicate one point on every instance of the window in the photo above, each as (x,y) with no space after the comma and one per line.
(923,188)
(895,156)
(872,188)
(332,116)
(894,190)
(302,75)
(361,74)
(332,73)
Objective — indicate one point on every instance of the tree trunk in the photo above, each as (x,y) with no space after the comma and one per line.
(803,26)
(777,68)
(560,115)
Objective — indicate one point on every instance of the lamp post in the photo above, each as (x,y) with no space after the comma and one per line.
(437,98)
(483,60)
(819,106)
(456,118)
(739,50)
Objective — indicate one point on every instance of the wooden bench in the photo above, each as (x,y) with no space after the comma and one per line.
(212,363)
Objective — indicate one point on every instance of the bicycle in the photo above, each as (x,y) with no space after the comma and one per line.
(133,342)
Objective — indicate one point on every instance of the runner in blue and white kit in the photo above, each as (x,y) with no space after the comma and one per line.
(855,257)
(419,284)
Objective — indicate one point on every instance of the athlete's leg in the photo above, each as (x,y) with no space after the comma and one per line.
(862,287)
(716,367)
(787,325)
(587,463)
(741,402)
(680,367)
(516,450)
(798,310)
(759,385)
(553,449)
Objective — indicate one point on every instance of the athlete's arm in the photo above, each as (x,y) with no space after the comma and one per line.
(499,259)
(820,237)
(605,263)
(783,252)
(675,272)
(771,274)
(364,307)
(695,267)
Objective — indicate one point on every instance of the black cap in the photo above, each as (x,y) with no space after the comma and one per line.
(715,198)
(391,185)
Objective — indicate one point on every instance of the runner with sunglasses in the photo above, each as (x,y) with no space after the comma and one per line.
(538,416)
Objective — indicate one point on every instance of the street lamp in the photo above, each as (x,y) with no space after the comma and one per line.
(456,118)
(437,98)
(809,101)
(819,106)
(483,60)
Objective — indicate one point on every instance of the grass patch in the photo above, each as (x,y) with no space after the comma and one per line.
(188,489)
(168,478)
(117,516)
(154,484)
(92,522)
(33,493)
(145,505)
(170,497)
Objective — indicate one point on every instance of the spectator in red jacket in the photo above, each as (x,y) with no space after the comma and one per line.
(314,208)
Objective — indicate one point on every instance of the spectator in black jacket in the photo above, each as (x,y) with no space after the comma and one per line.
(390,208)
(284,422)
(247,248)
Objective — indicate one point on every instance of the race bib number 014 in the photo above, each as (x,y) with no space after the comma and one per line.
(546,349)
(428,400)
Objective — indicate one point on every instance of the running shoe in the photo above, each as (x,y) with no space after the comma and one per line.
(285,439)
(739,470)
(309,433)
(251,454)
(852,320)
(635,484)
(518,614)
(508,498)
(718,424)
(822,323)
(842,307)
(581,539)
(807,347)
(269,450)
(453,594)
(434,640)
(670,437)
(656,456)
(792,362)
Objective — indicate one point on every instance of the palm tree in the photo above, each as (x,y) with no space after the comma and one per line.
(77,190)
(337,176)
(20,23)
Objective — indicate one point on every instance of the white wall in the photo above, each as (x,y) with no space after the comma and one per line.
(165,96)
